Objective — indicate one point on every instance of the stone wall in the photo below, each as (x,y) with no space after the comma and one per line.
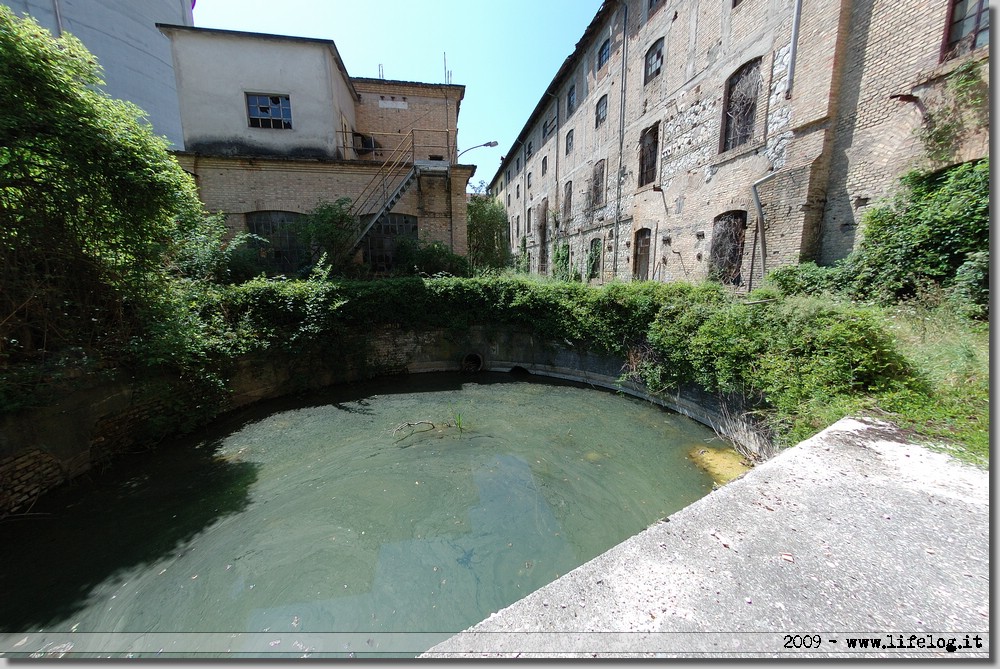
(86,428)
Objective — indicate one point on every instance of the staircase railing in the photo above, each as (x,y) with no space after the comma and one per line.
(378,191)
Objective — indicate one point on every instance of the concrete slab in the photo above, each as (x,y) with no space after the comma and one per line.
(851,534)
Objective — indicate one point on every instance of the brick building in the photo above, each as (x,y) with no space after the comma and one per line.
(274,125)
(690,138)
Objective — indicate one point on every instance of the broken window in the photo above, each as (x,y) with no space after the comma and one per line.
(640,255)
(598,185)
(379,244)
(571,100)
(269,111)
(604,54)
(740,105)
(726,254)
(602,111)
(968,27)
(654,61)
(568,200)
(649,145)
(279,250)
(569,142)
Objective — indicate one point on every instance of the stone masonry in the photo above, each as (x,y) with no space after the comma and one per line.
(822,134)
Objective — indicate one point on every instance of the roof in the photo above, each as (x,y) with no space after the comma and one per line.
(605,10)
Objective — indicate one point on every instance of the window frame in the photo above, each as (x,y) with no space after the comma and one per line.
(598,184)
(952,48)
(283,121)
(656,50)
(648,153)
(601,111)
(739,131)
(604,53)
(569,142)
(571,100)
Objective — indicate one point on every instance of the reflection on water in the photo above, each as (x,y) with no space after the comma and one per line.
(415,505)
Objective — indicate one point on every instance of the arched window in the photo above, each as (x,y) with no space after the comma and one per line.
(604,54)
(649,145)
(602,111)
(740,105)
(640,255)
(654,61)
(568,201)
(594,259)
(281,251)
(598,186)
(725,261)
(381,241)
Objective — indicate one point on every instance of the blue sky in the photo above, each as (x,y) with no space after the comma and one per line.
(505,53)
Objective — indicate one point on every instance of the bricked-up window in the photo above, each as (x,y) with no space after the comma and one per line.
(654,61)
(568,200)
(279,251)
(571,100)
(968,27)
(604,54)
(598,186)
(569,142)
(740,105)
(269,111)
(649,147)
(602,111)
(725,262)
(640,255)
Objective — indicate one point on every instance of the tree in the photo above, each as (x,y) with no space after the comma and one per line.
(488,245)
(91,202)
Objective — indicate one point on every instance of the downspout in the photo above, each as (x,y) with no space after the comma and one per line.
(794,47)
(621,133)
(59,22)
(760,226)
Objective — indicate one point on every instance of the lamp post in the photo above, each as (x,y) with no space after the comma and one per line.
(490,143)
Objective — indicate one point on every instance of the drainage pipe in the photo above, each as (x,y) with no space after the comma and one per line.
(621,133)
(760,224)
(796,16)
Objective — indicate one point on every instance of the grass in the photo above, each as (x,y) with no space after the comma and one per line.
(952,355)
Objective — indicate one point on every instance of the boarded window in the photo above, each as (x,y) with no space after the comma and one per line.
(598,186)
(726,255)
(740,105)
(279,251)
(649,146)
(640,255)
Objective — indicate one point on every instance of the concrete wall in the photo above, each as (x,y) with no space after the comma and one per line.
(216,69)
(134,54)
(44,447)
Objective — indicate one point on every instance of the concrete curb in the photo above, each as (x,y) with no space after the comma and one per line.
(852,533)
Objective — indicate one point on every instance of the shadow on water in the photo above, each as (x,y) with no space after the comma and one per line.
(52,558)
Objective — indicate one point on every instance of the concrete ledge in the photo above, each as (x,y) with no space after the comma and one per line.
(853,533)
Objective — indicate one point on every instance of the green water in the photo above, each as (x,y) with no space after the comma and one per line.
(336,516)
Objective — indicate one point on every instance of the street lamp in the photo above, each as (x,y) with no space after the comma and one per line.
(491,143)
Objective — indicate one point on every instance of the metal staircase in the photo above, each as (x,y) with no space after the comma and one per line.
(395,176)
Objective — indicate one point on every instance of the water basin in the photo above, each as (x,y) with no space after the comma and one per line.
(374,519)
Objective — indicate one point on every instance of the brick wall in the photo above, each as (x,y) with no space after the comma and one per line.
(827,143)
